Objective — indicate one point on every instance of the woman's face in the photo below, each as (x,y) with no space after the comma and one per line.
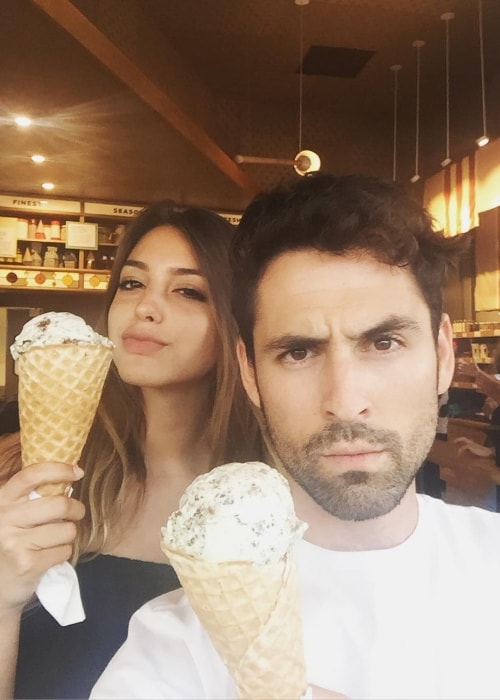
(161,319)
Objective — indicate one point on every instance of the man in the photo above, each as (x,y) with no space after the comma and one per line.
(344,348)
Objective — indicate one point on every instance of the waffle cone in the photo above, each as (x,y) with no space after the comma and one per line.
(59,391)
(252,615)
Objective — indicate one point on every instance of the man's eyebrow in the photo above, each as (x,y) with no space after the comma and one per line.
(140,265)
(289,341)
(391,324)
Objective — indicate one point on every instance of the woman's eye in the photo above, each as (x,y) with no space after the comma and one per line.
(129,284)
(191,293)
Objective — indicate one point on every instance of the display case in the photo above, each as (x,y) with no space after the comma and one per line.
(57,244)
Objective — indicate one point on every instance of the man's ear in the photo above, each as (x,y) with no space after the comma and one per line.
(247,371)
(445,354)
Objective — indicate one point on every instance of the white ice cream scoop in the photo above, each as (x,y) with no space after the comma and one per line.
(236,512)
(55,328)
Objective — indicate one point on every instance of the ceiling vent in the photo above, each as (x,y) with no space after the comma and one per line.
(334,61)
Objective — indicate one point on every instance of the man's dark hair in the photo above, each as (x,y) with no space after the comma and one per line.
(338,214)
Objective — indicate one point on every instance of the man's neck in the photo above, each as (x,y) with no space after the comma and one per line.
(329,532)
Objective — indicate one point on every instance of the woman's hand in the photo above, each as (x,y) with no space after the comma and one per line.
(35,534)
(468,445)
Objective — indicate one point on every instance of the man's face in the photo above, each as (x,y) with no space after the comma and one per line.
(347,374)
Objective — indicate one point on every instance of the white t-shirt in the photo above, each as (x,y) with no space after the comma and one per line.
(420,620)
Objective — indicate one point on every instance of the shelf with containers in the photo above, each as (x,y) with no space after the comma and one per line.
(50,244)
(477,343)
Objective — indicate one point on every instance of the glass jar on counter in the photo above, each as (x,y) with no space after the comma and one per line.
(70,260)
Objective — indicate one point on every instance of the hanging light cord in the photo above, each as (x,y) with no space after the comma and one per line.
(301,75)
(417,117)
(395,135)
(447,89)
(481,51)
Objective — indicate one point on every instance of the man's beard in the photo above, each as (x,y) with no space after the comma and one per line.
(356,495)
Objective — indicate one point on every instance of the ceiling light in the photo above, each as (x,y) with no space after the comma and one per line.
(305,162)
(418,43)
(447,17)
(48,185)
(482,140)
(22,121)
(37,158)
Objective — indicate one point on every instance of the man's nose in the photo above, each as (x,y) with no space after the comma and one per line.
(344,388)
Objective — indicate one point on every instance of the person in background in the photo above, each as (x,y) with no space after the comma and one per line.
(428,479)
(488,384)
(345,349)
(443,415)
(172,407)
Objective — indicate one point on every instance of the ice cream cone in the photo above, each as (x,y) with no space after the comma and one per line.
(59,391)
(252,614)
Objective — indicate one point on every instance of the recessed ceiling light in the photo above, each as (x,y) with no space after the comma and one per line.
(22,121)
(48,185)
(38,158)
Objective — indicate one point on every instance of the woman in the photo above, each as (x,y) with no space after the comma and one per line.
(172,408)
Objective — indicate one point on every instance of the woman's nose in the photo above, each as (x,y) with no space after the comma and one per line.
(148,308)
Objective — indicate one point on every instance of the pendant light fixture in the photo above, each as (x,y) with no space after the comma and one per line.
(447,17)
(418,43)
(483,139)
(395,69)
(305,161)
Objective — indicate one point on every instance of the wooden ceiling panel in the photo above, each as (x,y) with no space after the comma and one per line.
(164,96)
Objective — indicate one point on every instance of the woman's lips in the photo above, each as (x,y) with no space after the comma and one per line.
(142,345)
